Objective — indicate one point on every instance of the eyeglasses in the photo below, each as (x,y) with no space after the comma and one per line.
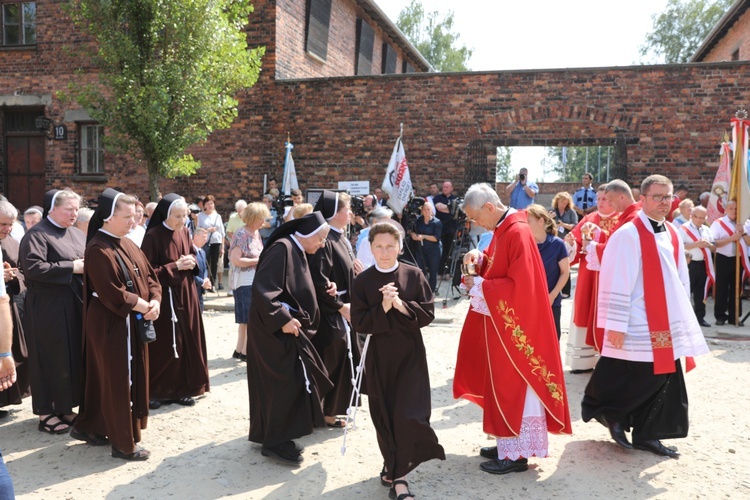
(660,198)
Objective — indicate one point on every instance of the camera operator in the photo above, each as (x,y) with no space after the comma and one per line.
(192,222)
(522,190)
(427,232)
(442,205)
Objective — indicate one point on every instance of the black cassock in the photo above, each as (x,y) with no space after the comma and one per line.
(335,263)
(285,376)
(16,289)
(53,315)
(398,382)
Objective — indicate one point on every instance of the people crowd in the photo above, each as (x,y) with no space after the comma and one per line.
(329,307)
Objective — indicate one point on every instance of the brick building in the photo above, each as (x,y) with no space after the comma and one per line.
(343,108)
(729,40)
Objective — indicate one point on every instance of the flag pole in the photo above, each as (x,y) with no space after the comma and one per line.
(739,148)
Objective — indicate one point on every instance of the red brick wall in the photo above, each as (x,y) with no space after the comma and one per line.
(294,62)
(738,37)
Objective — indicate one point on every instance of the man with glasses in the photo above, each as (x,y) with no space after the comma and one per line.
(698,243)
(728,237)
(645,311)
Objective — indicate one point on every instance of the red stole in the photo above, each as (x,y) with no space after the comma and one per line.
(707,260)
(740,248)
(655,297)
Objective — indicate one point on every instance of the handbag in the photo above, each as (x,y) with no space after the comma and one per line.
(144,327)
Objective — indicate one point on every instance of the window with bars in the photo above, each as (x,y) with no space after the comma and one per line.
(365,47)
(318,22)
(18,23)
(91,148)
(389,60)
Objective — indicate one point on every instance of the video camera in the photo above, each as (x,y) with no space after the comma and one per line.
(411,213)
(457,213)
(358,206)
(280,203)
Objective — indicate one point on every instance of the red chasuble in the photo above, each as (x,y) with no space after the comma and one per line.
(500,355)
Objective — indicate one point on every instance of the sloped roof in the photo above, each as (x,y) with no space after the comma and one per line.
(720,30)
(372,10)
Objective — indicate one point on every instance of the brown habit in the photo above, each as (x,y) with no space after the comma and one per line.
(16,289)
(107,395)
(53,315)
(334,263)
(281,408)
(187,375)
(398,383)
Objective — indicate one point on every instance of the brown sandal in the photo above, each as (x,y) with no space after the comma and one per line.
(138,455)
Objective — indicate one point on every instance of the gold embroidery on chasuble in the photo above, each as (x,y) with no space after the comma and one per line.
(537,363)
(661,340)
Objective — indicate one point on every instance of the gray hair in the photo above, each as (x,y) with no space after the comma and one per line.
(704,195)
(480,194)
(8,210)
(66,195)
(380,213)
(84,215)
(618,186)
(240,205)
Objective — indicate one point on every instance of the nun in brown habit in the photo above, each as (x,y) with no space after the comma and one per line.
(285,376)
(114,407)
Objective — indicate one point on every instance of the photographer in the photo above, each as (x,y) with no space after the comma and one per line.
(522,191)
(443,206)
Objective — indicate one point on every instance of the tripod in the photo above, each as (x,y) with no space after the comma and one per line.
(461,244)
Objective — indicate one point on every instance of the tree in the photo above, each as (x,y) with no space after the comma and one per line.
(503,173)
(577,162)
(168,73)
(432,36)
(681,28)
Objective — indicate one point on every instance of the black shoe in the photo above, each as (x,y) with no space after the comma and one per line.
(577,372)
(236,355)
(488,452)
(4,413)
(154,404)
(617,431)
(496,466)
(703,322)
(138,455)
(221,287)
(655,447)
(286,452)
(720,322)
(92,439)
(186,401)
(243,358)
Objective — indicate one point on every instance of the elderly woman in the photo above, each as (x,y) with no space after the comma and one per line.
(32,216)
(427,232)
(684,209)
(51,258)
(392,302)
(82,222)
(178,366)
(554,256)
(115,378)
(243,254)
(210,220)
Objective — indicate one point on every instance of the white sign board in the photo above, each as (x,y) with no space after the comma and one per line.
(355,187)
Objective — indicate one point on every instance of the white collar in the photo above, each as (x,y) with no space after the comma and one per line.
(340,231)
(389,270)
(296,241)
(165,225)
(108,233)
(54,223)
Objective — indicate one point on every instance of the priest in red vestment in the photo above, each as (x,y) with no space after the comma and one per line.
(620,198)
(509,357)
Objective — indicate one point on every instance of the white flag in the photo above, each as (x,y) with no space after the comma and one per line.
(289,181)
(397,182)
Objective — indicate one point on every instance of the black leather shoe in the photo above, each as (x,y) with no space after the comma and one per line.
(703,322)
(504,466)
(617,431)
(655,447)
(286,452)
(488,452)
(720,322)
(154,404)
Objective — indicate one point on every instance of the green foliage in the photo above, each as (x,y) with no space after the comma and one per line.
(169,72)
(431,34)
(503,165)
(576,163)
(681,28)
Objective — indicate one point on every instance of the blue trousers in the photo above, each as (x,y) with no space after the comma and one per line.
(6,483)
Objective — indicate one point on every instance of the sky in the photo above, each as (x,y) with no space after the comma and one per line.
(544,34)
